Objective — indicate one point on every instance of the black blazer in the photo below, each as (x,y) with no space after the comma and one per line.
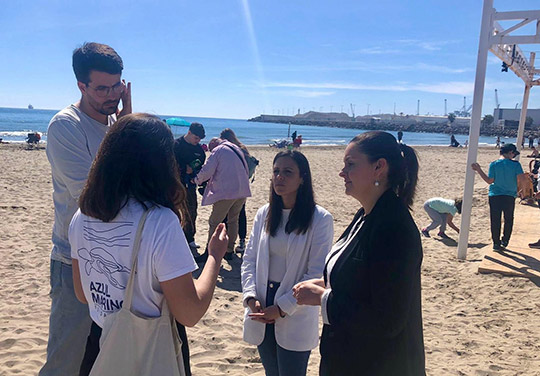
(374,308)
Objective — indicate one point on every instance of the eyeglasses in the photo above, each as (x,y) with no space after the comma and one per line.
(104,91)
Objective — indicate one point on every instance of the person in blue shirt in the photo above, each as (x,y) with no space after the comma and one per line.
(502,180)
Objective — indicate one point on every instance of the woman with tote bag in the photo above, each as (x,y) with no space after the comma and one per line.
(131,261)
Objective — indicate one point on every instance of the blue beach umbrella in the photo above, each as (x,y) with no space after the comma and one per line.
(175,122)
(178,122)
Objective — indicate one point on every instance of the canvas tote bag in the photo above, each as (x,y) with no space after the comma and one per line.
(135,345)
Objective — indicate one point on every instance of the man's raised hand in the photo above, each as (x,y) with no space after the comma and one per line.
(126,100)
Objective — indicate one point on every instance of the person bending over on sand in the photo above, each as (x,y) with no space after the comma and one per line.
(453,142)
(441,211)
(502,180)
(135,172)
(73,139)
(290,239)
(371,293)
(226,170)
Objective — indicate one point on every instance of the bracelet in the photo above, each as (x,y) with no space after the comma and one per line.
(248,299)
(281,313)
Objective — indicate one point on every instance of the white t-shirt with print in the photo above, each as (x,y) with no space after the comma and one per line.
(104,252)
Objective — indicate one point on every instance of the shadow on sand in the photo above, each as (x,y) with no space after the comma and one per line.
(453,243)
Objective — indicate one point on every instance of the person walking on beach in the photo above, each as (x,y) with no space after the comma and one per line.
(371,291)
(441,211)
(73,138)
(134,175)
(502,180)
(290,239)
(190,157)
(400,137)
(229,135)
(226,171)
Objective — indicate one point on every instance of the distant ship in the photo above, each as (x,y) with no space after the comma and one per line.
(30,107)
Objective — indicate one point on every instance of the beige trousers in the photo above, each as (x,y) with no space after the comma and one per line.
(230,209)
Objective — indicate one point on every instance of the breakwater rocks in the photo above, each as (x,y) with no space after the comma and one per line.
(401,124)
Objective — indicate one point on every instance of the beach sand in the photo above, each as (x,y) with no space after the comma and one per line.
(473,324)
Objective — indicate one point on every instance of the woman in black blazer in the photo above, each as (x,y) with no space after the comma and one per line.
(370,293)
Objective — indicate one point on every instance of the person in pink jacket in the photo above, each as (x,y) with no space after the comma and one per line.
(228,187)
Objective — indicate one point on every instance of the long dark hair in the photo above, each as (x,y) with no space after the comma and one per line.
(458,203)
(229,135)
(402,161)
(304,206)
(135,160)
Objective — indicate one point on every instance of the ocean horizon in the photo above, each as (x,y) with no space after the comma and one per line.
(16,123)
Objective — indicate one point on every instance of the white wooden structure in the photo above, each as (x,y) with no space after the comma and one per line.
(497,39)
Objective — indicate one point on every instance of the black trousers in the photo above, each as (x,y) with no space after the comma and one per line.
(501,205)
(92,349)
(191,201)
(242,223)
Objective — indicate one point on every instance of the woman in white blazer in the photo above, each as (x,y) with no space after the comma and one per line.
(290,239)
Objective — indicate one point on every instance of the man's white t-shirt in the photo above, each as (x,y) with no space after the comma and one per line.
(73,140)
(104,252)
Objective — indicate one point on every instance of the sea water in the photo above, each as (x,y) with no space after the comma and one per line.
(16,123)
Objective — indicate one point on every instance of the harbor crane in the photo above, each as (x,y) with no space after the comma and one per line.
(352,111)
(464,111)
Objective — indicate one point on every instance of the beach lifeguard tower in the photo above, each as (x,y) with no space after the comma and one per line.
(506,46)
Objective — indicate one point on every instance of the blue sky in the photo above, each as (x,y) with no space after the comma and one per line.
(238,58)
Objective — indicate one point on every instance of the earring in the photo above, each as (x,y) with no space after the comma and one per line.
(377,183)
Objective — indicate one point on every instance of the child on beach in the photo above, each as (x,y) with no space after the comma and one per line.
(135,176)
(502,180)
(441,211)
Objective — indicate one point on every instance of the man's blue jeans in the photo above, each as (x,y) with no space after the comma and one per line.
(69,325)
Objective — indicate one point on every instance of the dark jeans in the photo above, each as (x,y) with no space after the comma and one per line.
(242,223)
(185,347)
(92,349)
(323,368)
(501,205)
(191,201)
(276,360)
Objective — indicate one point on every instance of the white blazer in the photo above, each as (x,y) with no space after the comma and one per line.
(306,253)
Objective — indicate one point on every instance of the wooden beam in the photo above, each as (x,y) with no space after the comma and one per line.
(516,15)
(517,26)
(518,39)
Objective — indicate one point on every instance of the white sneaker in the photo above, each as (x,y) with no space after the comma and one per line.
(194,245)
